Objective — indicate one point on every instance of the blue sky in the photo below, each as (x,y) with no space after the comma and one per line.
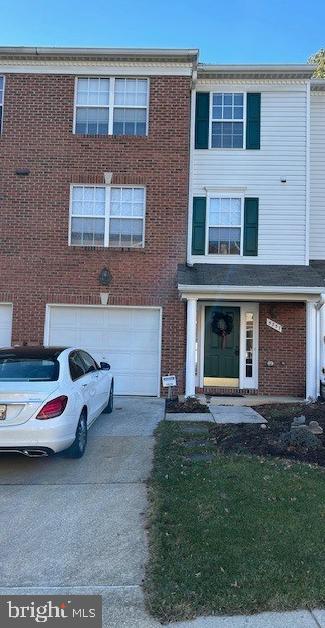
(226,31)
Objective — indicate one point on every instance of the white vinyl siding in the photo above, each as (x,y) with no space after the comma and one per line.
(317,175)
(282,206)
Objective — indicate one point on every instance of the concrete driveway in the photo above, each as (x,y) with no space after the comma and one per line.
(77,526)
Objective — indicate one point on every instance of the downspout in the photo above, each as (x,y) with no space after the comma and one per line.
(320,346)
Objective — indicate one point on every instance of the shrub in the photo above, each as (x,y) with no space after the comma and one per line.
(300,438)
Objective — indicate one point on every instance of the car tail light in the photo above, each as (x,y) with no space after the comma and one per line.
(53,408)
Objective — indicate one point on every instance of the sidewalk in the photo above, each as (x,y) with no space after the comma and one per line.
(294,619)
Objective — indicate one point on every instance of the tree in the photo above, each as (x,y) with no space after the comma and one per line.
(319,60)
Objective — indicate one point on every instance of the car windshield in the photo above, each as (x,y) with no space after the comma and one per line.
(28,369)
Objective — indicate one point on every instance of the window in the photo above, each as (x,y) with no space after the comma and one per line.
(249,331)
(89,362)
(107,216)
(76,366)
(130,107)
(28,369)
(92,106)
(111,106)
(225,226)
(227,120)
(2,88)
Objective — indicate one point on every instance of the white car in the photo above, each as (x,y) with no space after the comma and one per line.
(49,397)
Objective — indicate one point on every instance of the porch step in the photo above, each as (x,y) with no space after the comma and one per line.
(217,391)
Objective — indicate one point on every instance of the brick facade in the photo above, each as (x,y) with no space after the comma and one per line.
(287,350)
(37,265)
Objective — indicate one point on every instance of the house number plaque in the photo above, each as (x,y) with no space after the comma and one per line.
(274,325)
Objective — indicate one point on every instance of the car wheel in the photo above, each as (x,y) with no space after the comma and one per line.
(78,447)
(109,407)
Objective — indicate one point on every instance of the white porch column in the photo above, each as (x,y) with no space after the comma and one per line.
(311,351)
(190,347)
(322,343)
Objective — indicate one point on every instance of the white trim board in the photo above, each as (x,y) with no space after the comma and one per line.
(210,289)
(97,68)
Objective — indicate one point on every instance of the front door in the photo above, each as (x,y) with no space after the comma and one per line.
(221,346)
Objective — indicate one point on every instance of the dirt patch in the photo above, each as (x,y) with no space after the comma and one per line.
(191,404)
(268,439)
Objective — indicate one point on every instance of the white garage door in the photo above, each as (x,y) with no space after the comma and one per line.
(128,338)
(5,325)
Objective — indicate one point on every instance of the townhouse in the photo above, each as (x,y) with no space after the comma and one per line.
(256,220)
(166,215)
(94,157)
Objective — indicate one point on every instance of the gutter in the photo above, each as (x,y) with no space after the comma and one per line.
(209,289)
(187,54)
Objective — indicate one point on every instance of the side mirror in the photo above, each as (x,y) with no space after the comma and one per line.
(104,366)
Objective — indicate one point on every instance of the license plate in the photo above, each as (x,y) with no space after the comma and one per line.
(3,412)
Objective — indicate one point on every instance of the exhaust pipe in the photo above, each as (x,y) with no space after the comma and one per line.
(30,453)
(34,453)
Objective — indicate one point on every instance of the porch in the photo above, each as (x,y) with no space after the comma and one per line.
(263,340)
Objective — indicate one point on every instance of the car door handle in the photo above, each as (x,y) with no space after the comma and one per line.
(84,385)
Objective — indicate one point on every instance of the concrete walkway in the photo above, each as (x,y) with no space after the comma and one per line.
(219,414)
(235,414)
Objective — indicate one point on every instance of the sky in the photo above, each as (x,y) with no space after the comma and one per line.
(225,31)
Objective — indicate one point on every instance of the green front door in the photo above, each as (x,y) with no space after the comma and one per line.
(221,346)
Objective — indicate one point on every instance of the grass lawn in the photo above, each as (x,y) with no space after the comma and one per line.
(237,534)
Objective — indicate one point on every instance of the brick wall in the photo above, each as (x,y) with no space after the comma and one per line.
(36,264)
(287,349)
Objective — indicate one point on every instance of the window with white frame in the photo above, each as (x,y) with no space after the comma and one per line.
(107,216)
(225,226)
(227,126)
(92,106)
(2,89)
(111,106)
(130,106)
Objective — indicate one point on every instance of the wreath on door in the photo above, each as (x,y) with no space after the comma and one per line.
(222,324)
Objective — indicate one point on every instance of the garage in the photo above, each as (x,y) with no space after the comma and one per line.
(5,324)
(126,337)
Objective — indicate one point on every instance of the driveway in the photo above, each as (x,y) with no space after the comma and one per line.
(77,526)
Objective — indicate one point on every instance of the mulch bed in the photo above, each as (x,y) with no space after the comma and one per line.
(251,438)
(190,405)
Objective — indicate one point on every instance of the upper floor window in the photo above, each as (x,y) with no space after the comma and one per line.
(227,127)
(107,216)
(111,106)
(2,89)
(225,226)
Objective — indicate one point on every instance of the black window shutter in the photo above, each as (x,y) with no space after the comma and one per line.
(253,121)
(251,226)
(198,225)
(202,120)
